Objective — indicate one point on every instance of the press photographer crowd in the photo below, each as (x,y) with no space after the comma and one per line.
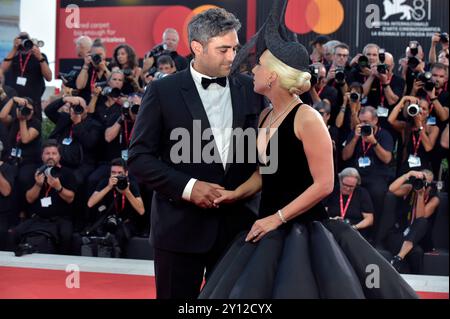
(66,189)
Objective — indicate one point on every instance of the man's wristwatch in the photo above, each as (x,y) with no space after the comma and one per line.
(42,60)
(60,190)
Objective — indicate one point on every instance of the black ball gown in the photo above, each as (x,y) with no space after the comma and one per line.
(309,257)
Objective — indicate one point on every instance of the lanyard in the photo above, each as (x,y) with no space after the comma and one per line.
(48,191)
(93,80)
(364,149)
(115,202)
(341,201)
(382,97)
(416,143)
(23,66)
(321,90)
(127,137)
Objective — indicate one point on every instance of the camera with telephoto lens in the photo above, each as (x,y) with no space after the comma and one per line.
(135,108)
(68,77)
(109,91)
(382,68)
(157,51)
(24,110)
(340,75)
(355,97)
(77,109)
(413,110)
(96,59)
(27,44)
(427,79)
(366,130)
(443,37)
(363,62)
(314,70)
(122,182)
(413,61)
(48,170)
(418,183)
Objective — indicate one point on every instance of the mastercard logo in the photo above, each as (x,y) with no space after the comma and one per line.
(177,17)
(320,16)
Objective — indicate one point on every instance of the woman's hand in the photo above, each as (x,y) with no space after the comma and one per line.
(227,197)
(262,226)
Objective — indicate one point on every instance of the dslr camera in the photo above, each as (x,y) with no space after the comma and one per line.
(444,37)
(314,70)
(355,97)
(340,75)
(420,183)
(157,51)
(96,59)
(413,61)
(128,107)
(363,62)
(77,109)
(109,91)
(27,44)
(122,182)
(413,110)
(366,130)
(48,170)
(382,67)
(427,79)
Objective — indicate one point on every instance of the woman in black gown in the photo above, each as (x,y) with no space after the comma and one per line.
(293,250)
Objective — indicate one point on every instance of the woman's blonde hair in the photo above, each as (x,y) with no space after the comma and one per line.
(293,80)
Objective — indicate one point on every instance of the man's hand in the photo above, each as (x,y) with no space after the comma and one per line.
(16,44)
(370,139)
(331,73)
(112,182)
(358,130)
(435,39)
(39,179)
(204,194)
(54,183)
(37,52)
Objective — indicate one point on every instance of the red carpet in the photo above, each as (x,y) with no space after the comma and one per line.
(24,283)
(27,283)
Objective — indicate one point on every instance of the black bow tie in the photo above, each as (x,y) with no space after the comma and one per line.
(207,82)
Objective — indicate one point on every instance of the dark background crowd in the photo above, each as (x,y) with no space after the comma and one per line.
(63,160)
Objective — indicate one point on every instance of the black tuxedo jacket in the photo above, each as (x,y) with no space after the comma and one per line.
(171,104)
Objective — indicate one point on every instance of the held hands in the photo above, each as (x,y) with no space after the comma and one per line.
(204,194)
(227,197)
(262,226)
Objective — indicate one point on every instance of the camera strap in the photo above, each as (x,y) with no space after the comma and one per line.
(416,143)
(364,149)
(127,136)
(115,202)
(382,97)
(93,80)
(341,202)
(23,66)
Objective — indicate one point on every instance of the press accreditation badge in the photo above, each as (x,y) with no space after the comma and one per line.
(414,161)
(382,111)
(46,202)
(16,152)
(125,155)
(21,81)
(364,162)
(431,120)
(406,232)
(67,141)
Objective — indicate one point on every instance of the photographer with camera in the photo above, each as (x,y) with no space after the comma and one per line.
(361,64)
(318,55)
(6,92)
(165,67)
(437,38)
(78,134)
(347,119)
(26,68)
(125,59)
(411,200)
(412,65)
(319,89)
(95,69)
(369,149)
(383,88)
(106,95)
(122,196)
(418,138)
(351,202)
(50,195)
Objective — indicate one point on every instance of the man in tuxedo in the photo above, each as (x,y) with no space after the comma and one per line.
(188,232)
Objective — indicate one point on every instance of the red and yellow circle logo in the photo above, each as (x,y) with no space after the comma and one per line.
(320,16)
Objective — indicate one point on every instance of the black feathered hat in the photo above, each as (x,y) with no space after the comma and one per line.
(278,39)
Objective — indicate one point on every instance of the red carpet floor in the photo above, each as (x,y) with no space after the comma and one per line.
(26,283)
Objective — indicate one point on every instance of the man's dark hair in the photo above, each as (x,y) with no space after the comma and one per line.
(166,59)
(358,86)
(51,143)
(210,24)
(119,162)
(440,66)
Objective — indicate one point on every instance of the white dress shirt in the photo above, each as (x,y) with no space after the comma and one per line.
(216,101)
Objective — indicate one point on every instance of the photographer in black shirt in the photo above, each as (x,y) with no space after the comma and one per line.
(121,197)
(7,177)
(6,92)
(50,194)
(26,68)
(78,134)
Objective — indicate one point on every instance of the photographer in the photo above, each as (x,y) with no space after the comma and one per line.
(418,137)
(410,202)
(369,149)
(383,88)
(23,144)
(317,55)
(351,203)
(125,59)
(123,200)
(26,68)
(361,64)
(6,92)
(412,65)
(78,134)
(7,177)
(441,38)
(50,194)
(165,66)
(106,96)
(94,70)
(347,119)
(319,89)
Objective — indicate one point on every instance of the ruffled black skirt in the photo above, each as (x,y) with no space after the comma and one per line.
(325,259)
